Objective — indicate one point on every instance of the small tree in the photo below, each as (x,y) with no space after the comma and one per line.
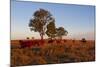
(51,30)
(27,38)
(83,40)
(61,32)
(40,19)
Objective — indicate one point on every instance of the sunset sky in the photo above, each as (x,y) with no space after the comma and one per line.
(78,20)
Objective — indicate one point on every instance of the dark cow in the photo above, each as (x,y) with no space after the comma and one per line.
(50,41)
(65,41)
(58,41)
(30,43)
(26,43)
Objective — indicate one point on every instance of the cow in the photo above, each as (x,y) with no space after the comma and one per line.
(26,43)
(58,41)
(50,41)
(30,43)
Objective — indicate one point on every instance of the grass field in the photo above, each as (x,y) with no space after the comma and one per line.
(66,51)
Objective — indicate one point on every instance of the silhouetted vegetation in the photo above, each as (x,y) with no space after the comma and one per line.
(27,38)
(83,40)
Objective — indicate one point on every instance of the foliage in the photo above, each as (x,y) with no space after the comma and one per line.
(27,38)
(61,32)
(43,22)
(39,21)
(51,30)
(83,40)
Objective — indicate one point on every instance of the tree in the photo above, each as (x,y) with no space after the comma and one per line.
(51,30)
(83,40)
(27,38)
(39,21)
(61,32)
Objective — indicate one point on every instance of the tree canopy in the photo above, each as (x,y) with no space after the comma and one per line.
(61,32)
(39,21)
(51,30)
(43,22)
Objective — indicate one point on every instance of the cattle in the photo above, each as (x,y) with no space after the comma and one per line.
(30,43)
(26,43)
(73,41)
(65,41)
(58,41)
(50,41)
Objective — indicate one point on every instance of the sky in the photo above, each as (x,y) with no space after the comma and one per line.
(78,20)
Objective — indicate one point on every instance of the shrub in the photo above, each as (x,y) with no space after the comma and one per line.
(83,40)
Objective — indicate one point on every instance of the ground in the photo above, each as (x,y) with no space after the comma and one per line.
(66,51)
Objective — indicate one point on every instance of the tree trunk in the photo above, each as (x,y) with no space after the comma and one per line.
(41,39)
(41,36)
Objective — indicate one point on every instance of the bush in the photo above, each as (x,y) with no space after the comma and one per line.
(83,40)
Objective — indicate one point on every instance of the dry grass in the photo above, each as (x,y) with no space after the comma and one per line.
(51,53)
